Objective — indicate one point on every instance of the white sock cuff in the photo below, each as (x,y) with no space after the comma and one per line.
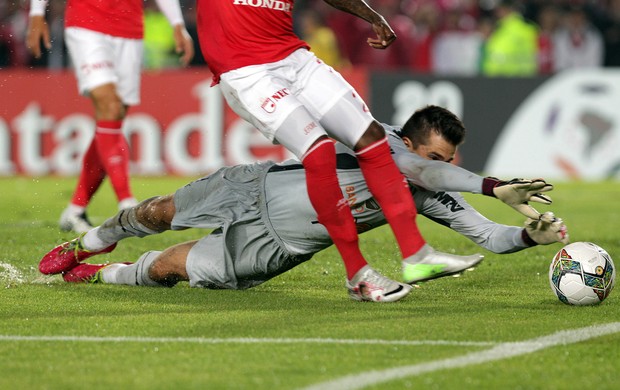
(75,209)
(108,273)
(92,242)
(127,203)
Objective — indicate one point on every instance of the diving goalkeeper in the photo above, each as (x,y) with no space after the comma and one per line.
(265,225)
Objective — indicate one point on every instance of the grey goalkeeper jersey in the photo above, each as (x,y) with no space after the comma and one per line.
(434,185)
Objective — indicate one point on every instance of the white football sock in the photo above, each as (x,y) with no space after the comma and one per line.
(127,203)
(73,209)
(136,274)
(92,242)
(108,273)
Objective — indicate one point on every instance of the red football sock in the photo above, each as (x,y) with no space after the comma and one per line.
(114,155)
(91,176)
(330,205)
(389,188)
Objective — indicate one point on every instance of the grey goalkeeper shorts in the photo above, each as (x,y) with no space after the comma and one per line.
(243,251)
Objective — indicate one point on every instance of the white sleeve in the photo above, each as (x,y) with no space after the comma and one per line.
(171,10)
(37,7)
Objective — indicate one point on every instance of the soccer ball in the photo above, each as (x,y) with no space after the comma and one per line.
(582,273)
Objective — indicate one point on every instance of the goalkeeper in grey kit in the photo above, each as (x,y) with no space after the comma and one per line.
(265,225)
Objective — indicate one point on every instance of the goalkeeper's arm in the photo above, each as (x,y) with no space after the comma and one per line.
(440,176)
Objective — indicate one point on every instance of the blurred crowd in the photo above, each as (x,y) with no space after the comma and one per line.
(449,37)
(471,37)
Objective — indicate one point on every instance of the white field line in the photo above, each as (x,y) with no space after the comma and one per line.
(201,340)
(499,352)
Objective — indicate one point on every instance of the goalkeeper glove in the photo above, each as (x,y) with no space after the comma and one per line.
(517,192)
(545,230)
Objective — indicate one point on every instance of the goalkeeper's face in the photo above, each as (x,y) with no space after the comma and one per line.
(435,148)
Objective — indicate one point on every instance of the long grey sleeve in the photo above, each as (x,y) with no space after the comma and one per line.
(451,210)
(432,175)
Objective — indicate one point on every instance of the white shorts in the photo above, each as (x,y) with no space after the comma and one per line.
(100,59)
(266,95)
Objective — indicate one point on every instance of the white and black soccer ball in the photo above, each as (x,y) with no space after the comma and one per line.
(582,273)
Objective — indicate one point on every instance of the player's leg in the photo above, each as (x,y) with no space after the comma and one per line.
(326,197)
(346,117)
(420,261)
(264,97)
(107,154)
(283,118)
(389,188)
(84,56)
(205,203)
(112,146)
(153,269)
(111,100)
(91,176)
(383,177)
(95,67)
(349,120)
(151,216)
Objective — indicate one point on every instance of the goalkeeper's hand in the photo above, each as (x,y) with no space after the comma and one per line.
(546,230)
(516,193)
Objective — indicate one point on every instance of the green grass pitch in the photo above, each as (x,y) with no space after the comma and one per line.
(300,329)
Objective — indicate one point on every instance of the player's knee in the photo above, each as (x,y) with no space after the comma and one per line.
(374,133)
(320,161)
(113,109)
(161,275)
(157,212)
(166,271)
(109,105)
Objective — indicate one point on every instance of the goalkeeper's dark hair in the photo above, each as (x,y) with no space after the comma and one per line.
(433,118)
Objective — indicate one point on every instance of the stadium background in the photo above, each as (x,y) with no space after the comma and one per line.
(557,123)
